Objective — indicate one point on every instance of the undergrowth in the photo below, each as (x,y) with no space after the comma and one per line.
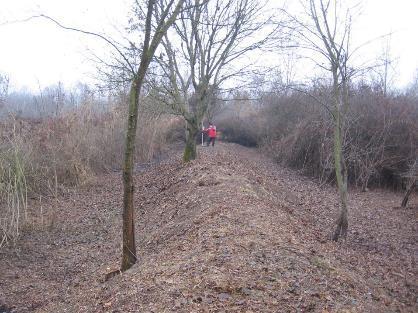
(41,158)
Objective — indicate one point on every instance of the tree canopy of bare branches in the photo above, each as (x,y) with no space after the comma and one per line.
(204,50)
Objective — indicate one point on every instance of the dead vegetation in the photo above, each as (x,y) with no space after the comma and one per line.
(380,141)
(230,232)
(43,157)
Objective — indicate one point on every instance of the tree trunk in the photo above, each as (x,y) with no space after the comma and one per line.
(341,174)
(408,193)
(149,47)
(342,221)
(340,169)
(128,240)
(190,152)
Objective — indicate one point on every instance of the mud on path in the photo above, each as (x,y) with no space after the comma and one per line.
(230,232)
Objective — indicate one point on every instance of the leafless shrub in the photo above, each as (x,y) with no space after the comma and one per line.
(241,130)
(380,141)
(240,121)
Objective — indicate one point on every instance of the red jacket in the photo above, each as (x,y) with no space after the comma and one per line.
(211,131)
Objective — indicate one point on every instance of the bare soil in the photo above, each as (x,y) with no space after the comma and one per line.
(229,232)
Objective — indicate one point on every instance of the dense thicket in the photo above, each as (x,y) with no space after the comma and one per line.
(296,128)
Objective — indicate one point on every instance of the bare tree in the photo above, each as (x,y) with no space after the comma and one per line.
(337,52)
(327,34)
(158,16)
(169,10)
(4,89)
(387,64)
(382,74)
(412,176)
(200,53)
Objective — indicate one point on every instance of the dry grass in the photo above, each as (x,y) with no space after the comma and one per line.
(13,188)
(43,157)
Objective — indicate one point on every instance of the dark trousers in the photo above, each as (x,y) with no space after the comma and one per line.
(211,140)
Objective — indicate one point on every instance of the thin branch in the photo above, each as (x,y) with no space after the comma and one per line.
(87,33)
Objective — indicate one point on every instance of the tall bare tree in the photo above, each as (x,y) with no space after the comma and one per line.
(168,13)
(203,51)
(327,33)
(4,89)
(158,16)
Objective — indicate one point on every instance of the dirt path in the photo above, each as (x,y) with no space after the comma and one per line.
(230,232)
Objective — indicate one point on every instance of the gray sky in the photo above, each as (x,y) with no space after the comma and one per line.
(38,53)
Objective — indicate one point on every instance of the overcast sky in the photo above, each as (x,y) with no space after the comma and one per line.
(38,53)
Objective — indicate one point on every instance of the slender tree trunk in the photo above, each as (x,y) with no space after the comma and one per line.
(128,240)
(408,193)
(190,152)
(340,168)
(341,174)
(149,47)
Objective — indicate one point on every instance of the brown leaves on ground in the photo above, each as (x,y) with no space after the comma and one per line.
(230,232)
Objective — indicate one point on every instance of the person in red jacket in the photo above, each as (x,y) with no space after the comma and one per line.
(211,132)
